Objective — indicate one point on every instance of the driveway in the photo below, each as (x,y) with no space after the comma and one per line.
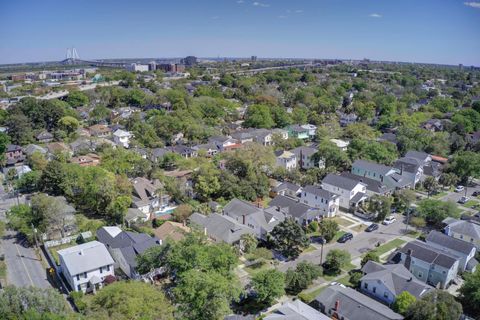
(24,268)
(361,243)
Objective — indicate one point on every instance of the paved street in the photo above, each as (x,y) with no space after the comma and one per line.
(454,196)
(24,269)
(361,243)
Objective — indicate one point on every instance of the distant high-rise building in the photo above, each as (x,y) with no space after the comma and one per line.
(189,61)
(152,66)
(460,66)
(254,58)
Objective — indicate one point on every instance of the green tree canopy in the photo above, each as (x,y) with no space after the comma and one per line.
(403,302)
(269,285)
(436,305)
(289,238)
(470,293)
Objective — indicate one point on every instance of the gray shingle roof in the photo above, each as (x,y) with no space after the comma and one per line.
(237,207)
(85,257)
(296,310)
(318,191)
(220,227)
(287,186)
(372,166)
(341,182)
(429,254)
(419,155)
(290,207)
(395,277)
(467,228)
(354,305)
(449,242)
(372,185)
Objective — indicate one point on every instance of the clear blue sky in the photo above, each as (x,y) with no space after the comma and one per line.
(439,31)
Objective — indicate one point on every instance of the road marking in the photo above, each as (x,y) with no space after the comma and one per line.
(21,259)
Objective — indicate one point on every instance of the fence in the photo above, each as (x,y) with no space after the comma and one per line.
(54,243)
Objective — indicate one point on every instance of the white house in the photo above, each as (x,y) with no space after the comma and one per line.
(286,159)
(324,200)
(122,138)
(85,266)
(312,130)
(350,192)
(341,144)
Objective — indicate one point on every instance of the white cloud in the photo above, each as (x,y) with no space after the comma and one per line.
(472,4)
(375,15)
(240,1)
(260,4)
(298,11)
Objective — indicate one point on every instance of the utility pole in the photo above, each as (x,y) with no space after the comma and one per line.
(35,235)
(321,255)
(408,220)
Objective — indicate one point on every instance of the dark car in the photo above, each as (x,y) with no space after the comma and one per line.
(476,193)
(372,227)
(345,237)
(318,239)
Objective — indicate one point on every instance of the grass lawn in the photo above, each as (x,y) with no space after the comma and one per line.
(257,267)
(341,221)
(309,296)
(349,267)
(3,270)
(53,250)
(439,195)
(470,203)
(389,246)
(413,234)
(87,224)
(359,228)
(345,280)
(337,235)
(266,201)
(309,249)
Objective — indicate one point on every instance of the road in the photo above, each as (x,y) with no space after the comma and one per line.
(361,243)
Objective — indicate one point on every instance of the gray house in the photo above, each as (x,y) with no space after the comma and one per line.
(125,246)
(296,310)
(293,208)
(427,263)
(390,176)
(386,282)
(348,304)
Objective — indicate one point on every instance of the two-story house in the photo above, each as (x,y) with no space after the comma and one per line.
(253,217)
(311,129)
(386,282)
(125,246)
(293,208)
(286,160)
(387,175)
(462,250)
(86,266)
(298,132)
(427,263)
(122,138)
(374,187)
(147,197)
(306,157)
(350,192)
(327,202)
(100,131)
(14,154)
(465,230)
(286,189)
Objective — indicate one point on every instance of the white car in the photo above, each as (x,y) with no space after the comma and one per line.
(389,220)
(459,188)
(463,200)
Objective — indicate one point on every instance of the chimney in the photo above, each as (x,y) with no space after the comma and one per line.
(337,305)
(243,219)
(411,278)
(408,259)
(278,208)
(401,169)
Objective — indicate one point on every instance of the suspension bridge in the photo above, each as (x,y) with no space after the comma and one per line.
(73,58)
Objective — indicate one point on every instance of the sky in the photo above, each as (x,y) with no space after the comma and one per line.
(433,31)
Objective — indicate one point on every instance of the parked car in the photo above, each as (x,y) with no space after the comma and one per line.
(345,237)
(459,188)
(476,193)
(372,227)
(318,239)
(389,220)
(463,200)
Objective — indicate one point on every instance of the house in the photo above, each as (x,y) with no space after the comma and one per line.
(306,157)
(350,191)
(473,138)
(341,144)
(386,282)
(122,138)
(281,133)
(145,196)
(340,302)
(389,137)
(32,148)
(311,129)
(389,176)
(225,143)
(44,137)
(100,130)
(253,217)
(86,266)
(125,246)
(14,154)
(287,189)
(55,148)
(327,202)
(433,125)
(220,227)
(171,230)
(295,310)
(243,136)
(210,149)
(298,132)
(427,263)
(464,230)
(460,249)
(88,160)
(184,151)
(374,187)
(413,164)
(286,160)
(347,118)
(293,208)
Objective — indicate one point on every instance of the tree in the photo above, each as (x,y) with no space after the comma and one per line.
(430,184)
(69,124)
(355,278)
(205,295)
(4,141)
(328,229)
(258,116)
(300,278)
(269,285)
(470,293)
(249,242)
(130,300)
(337,259)
(182,212)
(381,152)
(289,238)
(31,303)
(370,256)
(37,161)
(466,165)
(435,211)
(332,156)
(380,206)
(403,302)
(435,305)
(19,129)
(448,179)
(77,99)
(404,198)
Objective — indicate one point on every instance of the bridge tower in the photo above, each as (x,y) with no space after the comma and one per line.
(71,56)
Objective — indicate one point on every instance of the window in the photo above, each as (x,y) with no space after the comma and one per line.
(471,239)
(101,269)
(85,275)
(374,289)
(108,268)
(461,236)
(385,294)
(79,288)
(365,285)
(420,274)
(78,277)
